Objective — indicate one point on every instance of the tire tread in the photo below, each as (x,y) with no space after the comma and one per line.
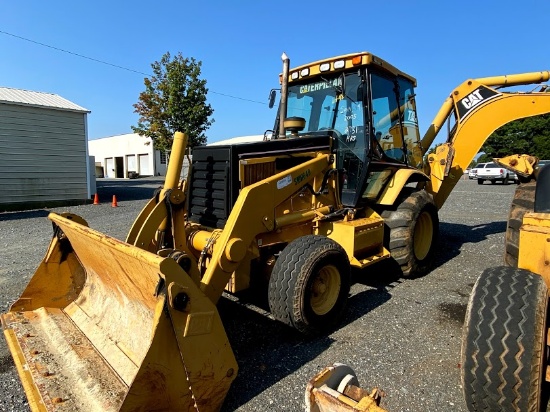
(504,334)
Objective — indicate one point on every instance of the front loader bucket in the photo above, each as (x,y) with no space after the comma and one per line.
(106,326)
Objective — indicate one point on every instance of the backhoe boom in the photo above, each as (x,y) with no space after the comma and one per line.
(479,109)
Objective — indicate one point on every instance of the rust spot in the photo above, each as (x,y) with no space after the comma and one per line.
(47,373)
(34,352)
(57,400)
(230,372)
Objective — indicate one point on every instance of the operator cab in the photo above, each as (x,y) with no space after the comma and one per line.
(368,108)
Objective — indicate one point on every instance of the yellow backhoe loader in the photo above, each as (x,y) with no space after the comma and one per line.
(133,326)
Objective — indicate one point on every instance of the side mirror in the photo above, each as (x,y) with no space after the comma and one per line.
(272,95)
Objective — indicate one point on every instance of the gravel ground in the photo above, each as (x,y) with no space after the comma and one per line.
(401,335)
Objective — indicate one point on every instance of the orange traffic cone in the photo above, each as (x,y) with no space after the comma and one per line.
(114,204)
(96,199)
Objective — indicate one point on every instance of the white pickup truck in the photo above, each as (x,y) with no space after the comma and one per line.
(495,173)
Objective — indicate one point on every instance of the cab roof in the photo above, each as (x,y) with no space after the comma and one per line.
(345,61)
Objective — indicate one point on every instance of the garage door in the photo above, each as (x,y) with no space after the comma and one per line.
(110,167)
(132,163)
(144,165)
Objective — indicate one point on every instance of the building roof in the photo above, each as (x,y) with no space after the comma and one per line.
(38,99)
(233,140)
(123,137)
(240,139)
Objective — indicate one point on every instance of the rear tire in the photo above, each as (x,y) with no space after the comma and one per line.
(523,202)
(310,283)
(504,341)
(479,181)
(412,232)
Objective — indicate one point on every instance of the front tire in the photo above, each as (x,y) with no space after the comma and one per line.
(479,181)
(310,283)
(411,233)
(504,341)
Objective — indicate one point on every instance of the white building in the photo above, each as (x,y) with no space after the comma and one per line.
(43,152)
(117,156)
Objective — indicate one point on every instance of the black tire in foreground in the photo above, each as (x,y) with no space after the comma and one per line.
(504,341)
(523,202)
(310,283)
(412,232)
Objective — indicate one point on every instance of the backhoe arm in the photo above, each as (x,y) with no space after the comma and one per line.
(479,109)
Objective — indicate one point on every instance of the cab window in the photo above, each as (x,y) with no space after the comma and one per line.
(411,133)
(385,117)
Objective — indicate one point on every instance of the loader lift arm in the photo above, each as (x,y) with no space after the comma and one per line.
(252,214)
(478,108)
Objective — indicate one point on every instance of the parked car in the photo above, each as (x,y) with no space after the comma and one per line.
(495,173)
(472,174)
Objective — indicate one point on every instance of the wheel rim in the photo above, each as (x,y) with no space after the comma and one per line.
(325,289)
(423,235)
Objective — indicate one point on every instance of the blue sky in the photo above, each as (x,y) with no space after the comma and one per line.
(441,43)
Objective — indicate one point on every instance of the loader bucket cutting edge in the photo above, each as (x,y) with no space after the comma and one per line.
(89,333)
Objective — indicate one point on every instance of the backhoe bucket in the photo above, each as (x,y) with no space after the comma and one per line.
(106,326)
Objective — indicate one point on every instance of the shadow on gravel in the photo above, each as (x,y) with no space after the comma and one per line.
(266,351)
(453,235)
(125,190)
(28,214)
(6,363)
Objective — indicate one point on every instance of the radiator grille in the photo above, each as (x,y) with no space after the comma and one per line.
(255,172)
(208,203)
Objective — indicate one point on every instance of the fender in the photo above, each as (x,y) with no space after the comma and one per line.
(397,182)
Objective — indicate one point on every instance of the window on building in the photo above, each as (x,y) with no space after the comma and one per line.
(162,158)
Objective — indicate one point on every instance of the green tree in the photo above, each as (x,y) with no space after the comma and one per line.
(174,100)
(530,135)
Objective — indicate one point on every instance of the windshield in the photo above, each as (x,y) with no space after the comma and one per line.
(335,103)
(329,103)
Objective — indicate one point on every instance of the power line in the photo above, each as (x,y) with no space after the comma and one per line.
(73,53)
(112,65)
